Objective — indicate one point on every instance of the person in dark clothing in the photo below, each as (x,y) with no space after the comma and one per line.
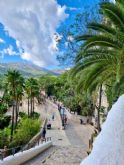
(81,121)
(53,117)
(59,107)
(43,133)
(65,119)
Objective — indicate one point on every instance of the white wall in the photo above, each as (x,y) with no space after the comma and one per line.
(24,156)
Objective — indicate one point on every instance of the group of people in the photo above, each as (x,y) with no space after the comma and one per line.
(43,133)
(63,114)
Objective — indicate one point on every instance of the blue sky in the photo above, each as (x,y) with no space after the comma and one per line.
(24,41)
(76,6)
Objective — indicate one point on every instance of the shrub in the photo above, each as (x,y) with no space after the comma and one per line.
(7,120)
(36,115)
(22,114)
(3,108)
(4,121)
(86,111)
(27,128)
(4,137)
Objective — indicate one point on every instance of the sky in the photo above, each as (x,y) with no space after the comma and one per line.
(28,28)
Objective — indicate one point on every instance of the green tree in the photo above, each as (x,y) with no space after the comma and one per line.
(14,82)
(26,130)
(32,90)
(100,58)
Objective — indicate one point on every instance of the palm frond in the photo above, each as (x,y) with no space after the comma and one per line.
(114,13)
(102,28)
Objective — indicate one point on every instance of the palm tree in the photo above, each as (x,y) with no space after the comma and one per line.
(14,82)
(104,48)
(101,56)
(27,89)
(19,94)
(32,90)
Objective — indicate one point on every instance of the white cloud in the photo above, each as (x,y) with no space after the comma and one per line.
(2,41)
(26,56)
(17,43)
(55,40)
(67,68)
(66,44)
(70,38)
(74,8)
(33,24)
(112,1)
(9,51)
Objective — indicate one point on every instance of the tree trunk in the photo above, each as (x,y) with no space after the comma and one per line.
(16,112)
(12,127)
(99,107)
(28,107)
(18,105)
(33,104)
(13,112)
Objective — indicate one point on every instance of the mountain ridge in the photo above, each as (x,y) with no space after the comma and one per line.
(26,69)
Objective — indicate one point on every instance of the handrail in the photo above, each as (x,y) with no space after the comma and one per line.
(36,140)
(25,156)
(12,151)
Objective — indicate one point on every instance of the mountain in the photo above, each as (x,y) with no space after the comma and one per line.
(27,70)
(59,71)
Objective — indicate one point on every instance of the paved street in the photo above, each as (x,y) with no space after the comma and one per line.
(69,145)
(68,155)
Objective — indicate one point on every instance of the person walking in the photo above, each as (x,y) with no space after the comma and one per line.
(44,134)
(66,119)
(59,108)
(53,116)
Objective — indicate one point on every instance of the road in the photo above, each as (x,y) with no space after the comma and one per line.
(70,146)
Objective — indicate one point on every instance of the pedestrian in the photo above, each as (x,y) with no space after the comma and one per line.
(65,119)
(58,107)
(81,121)
(53,117)
(44,134)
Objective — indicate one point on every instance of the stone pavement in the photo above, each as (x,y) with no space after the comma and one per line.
(58,135)
(41,157)
(68,155)
(78,134)
(70,146)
